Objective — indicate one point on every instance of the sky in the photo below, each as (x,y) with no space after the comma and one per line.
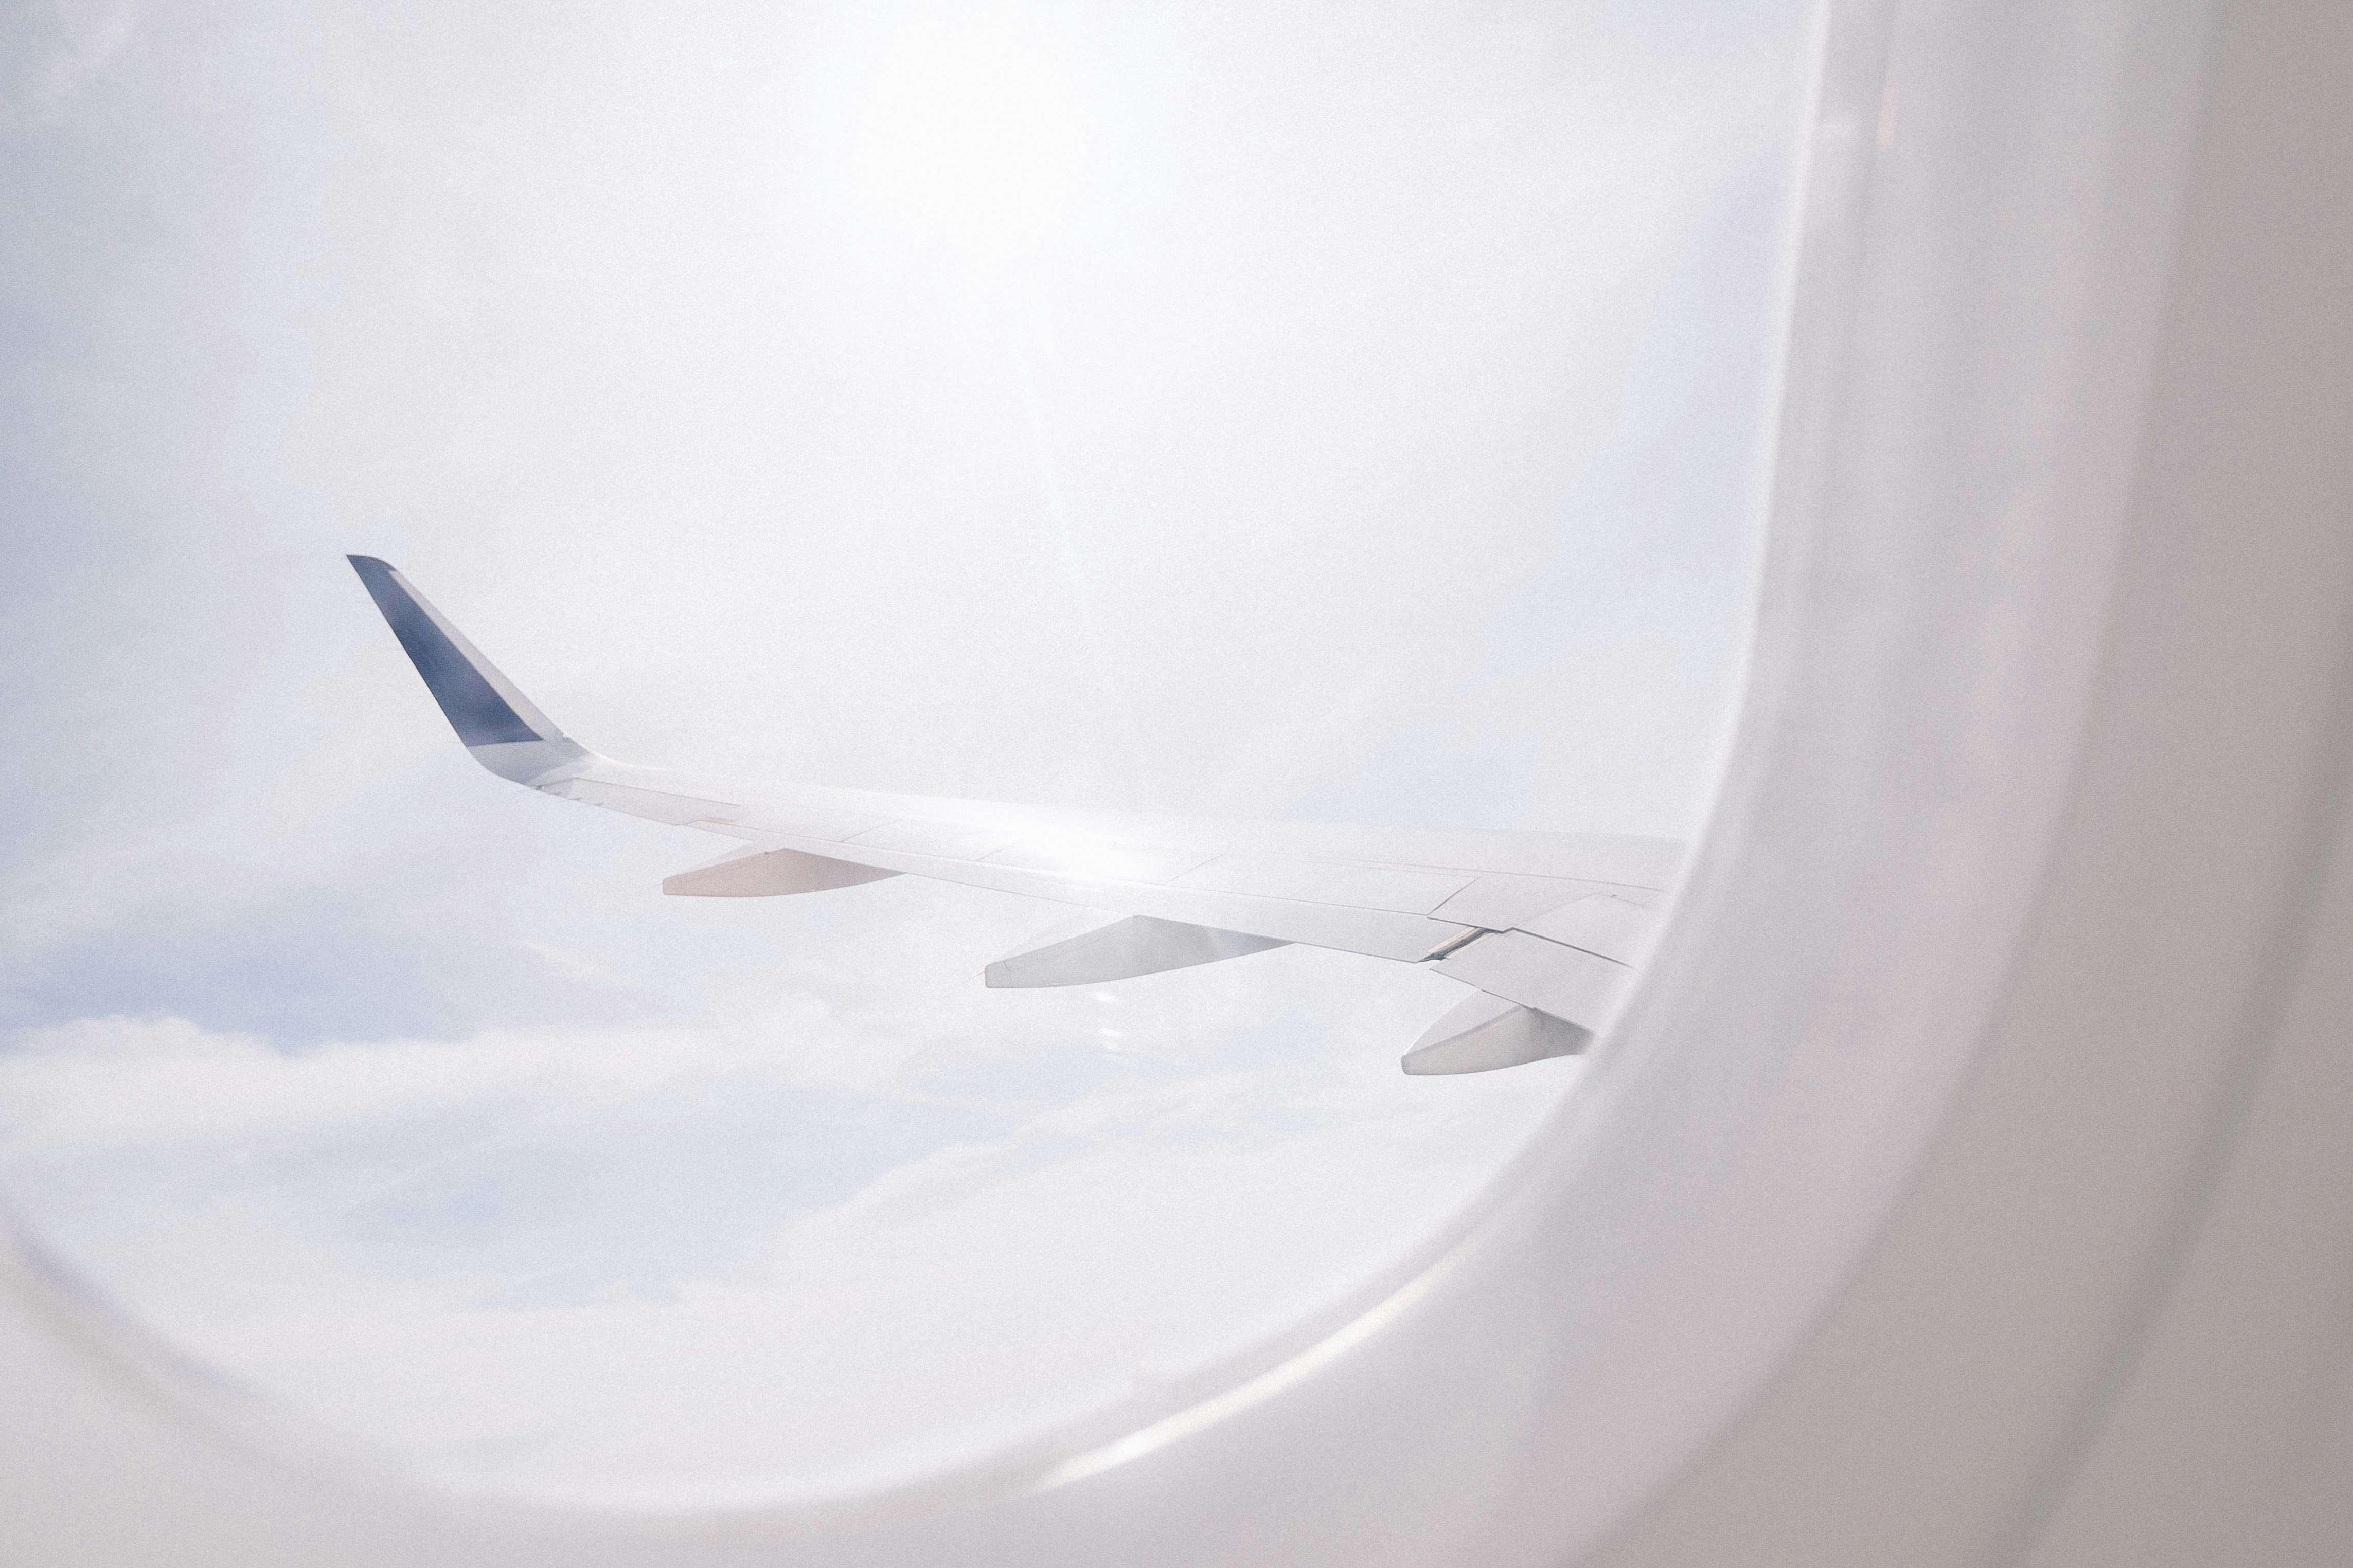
(1348,413)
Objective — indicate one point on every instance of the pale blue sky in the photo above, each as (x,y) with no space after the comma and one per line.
(1299,411)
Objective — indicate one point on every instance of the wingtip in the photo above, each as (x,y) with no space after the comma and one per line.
(480,704)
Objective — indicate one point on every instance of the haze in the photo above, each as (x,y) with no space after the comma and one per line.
(1306,411)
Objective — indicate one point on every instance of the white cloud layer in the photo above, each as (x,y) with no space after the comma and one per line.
(527,1216)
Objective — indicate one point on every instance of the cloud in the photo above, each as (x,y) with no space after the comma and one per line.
(69,43)
(359,1227)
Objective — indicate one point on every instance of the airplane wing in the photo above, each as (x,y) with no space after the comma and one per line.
(1548,928)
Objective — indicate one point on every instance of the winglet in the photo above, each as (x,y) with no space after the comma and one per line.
(499,724)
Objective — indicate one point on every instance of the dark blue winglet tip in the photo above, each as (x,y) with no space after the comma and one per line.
(472,705)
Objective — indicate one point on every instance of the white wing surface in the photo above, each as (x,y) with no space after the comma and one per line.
(1549,927)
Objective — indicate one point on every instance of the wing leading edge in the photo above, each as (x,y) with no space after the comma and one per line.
(1549,929)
